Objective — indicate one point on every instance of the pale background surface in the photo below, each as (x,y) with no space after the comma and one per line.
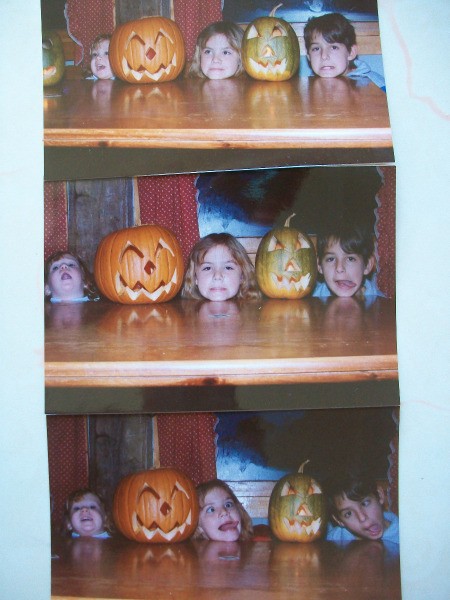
(416,68)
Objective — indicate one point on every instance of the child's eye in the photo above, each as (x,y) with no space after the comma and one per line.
(365,502)
(210,509)
(314,49)
(229,504)
(205,268)
(329,259)
(54,268)
(207,51)
(347,514)
(229,267)
(351,258)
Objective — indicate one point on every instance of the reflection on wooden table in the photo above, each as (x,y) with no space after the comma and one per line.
(186,342)
(238,113)
(118,568)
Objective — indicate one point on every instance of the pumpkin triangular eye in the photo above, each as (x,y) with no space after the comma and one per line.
(275,244)
(129,247)
(163,244)
(147,489)
(302,242)
(288,490)
(278,31)
(178,488)
(136,39)
(314,488)
(252,33)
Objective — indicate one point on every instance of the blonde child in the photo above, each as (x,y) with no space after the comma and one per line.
(345,259)
(331,49)
(222,517)
(99,53)
(85,515)
(217,52)
(220,269)
(67,279)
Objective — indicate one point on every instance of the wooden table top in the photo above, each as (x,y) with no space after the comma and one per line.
(184,342)
(125,570)
(307,112)
(305,120)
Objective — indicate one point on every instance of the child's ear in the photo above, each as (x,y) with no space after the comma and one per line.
(47,290)
(336,520)
(353,52)
(319,267)
(369,265)
(381,494)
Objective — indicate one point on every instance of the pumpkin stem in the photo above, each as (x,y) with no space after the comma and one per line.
(300,469)
(288,220)
(272,13)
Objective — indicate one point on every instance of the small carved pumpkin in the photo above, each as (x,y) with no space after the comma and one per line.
(148,50)
(139,265)
(270,49)
(53,63)
(297,508)
(155,506)
(286,263)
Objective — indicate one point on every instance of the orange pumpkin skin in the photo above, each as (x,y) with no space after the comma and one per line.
(286,264)
(139,265)
(148,50)
(156,506)
(297,509)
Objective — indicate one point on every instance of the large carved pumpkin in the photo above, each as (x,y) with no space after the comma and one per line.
(148,50)
(297,508)
(270,49)
(53,63)
(155,506)
(139,265)
(286,263)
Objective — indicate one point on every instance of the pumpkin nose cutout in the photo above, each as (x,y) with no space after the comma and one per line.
(150,54)
(149,267)
(303,511)
(268,52)
(165,508)
(292,265)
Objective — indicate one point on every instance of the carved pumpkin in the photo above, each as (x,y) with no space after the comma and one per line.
(286,263)
(139,265)
(155,506)
(147,50)
(297,508)
(270,49)
(53,63)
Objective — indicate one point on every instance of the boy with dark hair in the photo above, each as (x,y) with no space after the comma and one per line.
(356,507)
(345,259)
(331,49)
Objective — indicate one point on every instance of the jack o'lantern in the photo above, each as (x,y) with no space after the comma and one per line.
(297,508)
(53,63)
(148,50)
(139,265)
(286,263)
(270,49)
(155,506)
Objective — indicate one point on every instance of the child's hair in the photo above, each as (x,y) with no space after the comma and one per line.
(353,239)
(77,495)
(355,485)
(90,288)
(334,27)
(248,290)
(234,36)
(203,490)
(100,38)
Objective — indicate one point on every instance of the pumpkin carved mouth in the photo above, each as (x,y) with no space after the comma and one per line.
(269,67)
(303,526)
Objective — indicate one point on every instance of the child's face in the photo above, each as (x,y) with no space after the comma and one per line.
(364,518)
(218,276)
(219,517)
(343,273)
(65,279)
(87,516)
(329,59)
(100,66)
(218,60)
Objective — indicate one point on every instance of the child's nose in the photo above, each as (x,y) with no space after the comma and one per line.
(340,266)
(216,58)
(362,516)
(218,274)
(325,53)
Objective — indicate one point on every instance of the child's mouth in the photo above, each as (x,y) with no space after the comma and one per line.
(345,284)
(228,526)
(65,276)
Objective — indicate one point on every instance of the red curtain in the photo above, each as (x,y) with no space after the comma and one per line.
(386,233)
(67,459)
(55,217)
(194,15)
(85,20)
